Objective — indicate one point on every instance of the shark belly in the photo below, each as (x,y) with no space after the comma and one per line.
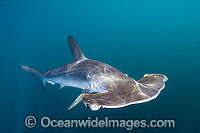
(89,82)
(75,79)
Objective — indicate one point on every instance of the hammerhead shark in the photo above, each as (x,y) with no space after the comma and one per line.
(103,85)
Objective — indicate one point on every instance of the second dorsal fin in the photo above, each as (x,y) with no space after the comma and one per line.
(76,51)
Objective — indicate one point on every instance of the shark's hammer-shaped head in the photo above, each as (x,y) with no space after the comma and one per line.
(127,92)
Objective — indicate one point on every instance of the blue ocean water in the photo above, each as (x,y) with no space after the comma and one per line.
(134,36)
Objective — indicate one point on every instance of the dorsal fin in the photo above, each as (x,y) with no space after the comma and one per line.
(76,51)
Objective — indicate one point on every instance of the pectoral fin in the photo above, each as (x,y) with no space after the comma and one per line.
(78,99)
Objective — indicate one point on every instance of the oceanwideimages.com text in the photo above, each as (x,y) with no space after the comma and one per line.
(47,122)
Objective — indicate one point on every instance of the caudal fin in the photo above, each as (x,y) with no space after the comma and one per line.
(152,84)
(36,74)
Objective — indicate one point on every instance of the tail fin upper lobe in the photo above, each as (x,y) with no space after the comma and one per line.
(36,74)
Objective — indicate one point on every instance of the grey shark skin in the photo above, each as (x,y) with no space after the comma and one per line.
(103,85)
